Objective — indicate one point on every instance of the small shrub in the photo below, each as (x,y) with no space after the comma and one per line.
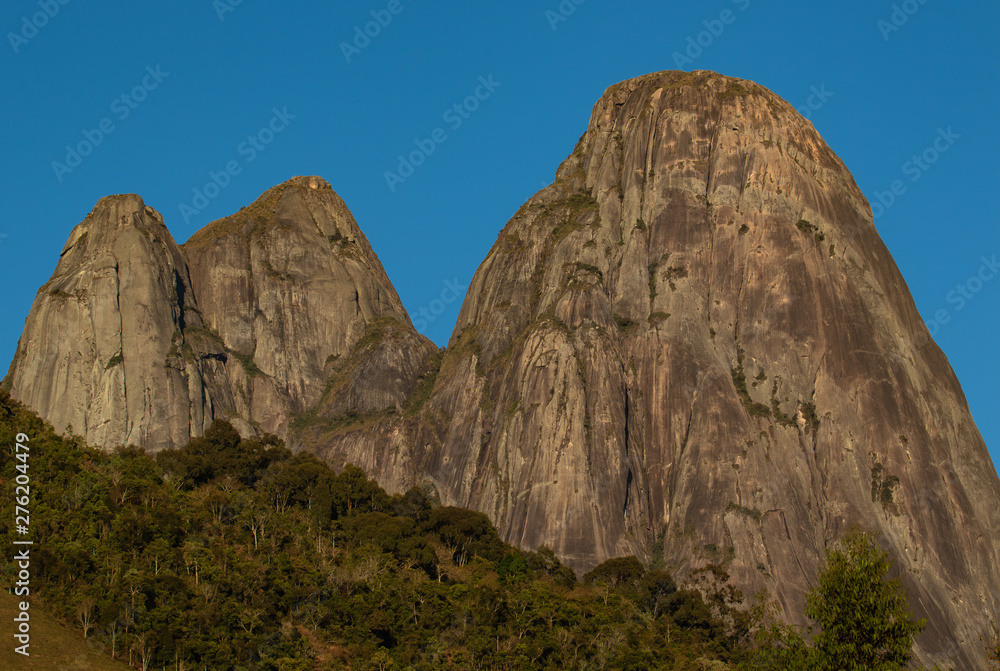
(740,382)
(735,90)
(625,325)
(808,411)
(651,268)
(752,513)
(675,273)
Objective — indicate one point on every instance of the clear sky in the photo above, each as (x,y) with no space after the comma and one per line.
(200,78)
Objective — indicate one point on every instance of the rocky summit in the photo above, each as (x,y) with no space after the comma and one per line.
(135,340)
(692,347)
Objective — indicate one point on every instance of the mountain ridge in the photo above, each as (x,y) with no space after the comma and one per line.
(700,297)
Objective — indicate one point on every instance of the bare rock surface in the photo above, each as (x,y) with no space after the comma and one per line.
(287,285)
(91,358)
(135,340)
(692,347)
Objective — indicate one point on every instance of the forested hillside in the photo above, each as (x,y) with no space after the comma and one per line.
(238,554)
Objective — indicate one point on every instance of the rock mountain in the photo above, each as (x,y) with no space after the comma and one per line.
(692,347)
(136,340)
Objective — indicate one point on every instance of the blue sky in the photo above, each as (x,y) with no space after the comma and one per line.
(201,77)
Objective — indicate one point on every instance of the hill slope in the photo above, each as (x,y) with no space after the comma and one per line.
(53,646)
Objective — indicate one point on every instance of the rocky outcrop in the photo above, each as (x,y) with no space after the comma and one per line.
(692,347)
(91,358)
(287,286)
(137,341)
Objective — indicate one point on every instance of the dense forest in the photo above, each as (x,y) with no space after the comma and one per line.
(238,554)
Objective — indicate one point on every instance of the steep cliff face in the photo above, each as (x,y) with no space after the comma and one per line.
(287,286)
(137,341)
(371,407)
(91,358)
(694,347)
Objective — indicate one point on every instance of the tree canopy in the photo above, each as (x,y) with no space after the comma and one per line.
(234,553)
(864,618)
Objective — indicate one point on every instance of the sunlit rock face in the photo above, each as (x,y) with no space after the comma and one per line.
(91,359)
(288,286)
(135,340)
(692,347)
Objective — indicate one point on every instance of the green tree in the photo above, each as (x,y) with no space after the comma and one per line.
(544,560)
(777,646)
(222,452)
(655,589)
(864,616)
(466,533)
(621,572)
(352,492)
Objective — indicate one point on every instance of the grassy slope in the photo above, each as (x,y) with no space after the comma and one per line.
(53,646)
